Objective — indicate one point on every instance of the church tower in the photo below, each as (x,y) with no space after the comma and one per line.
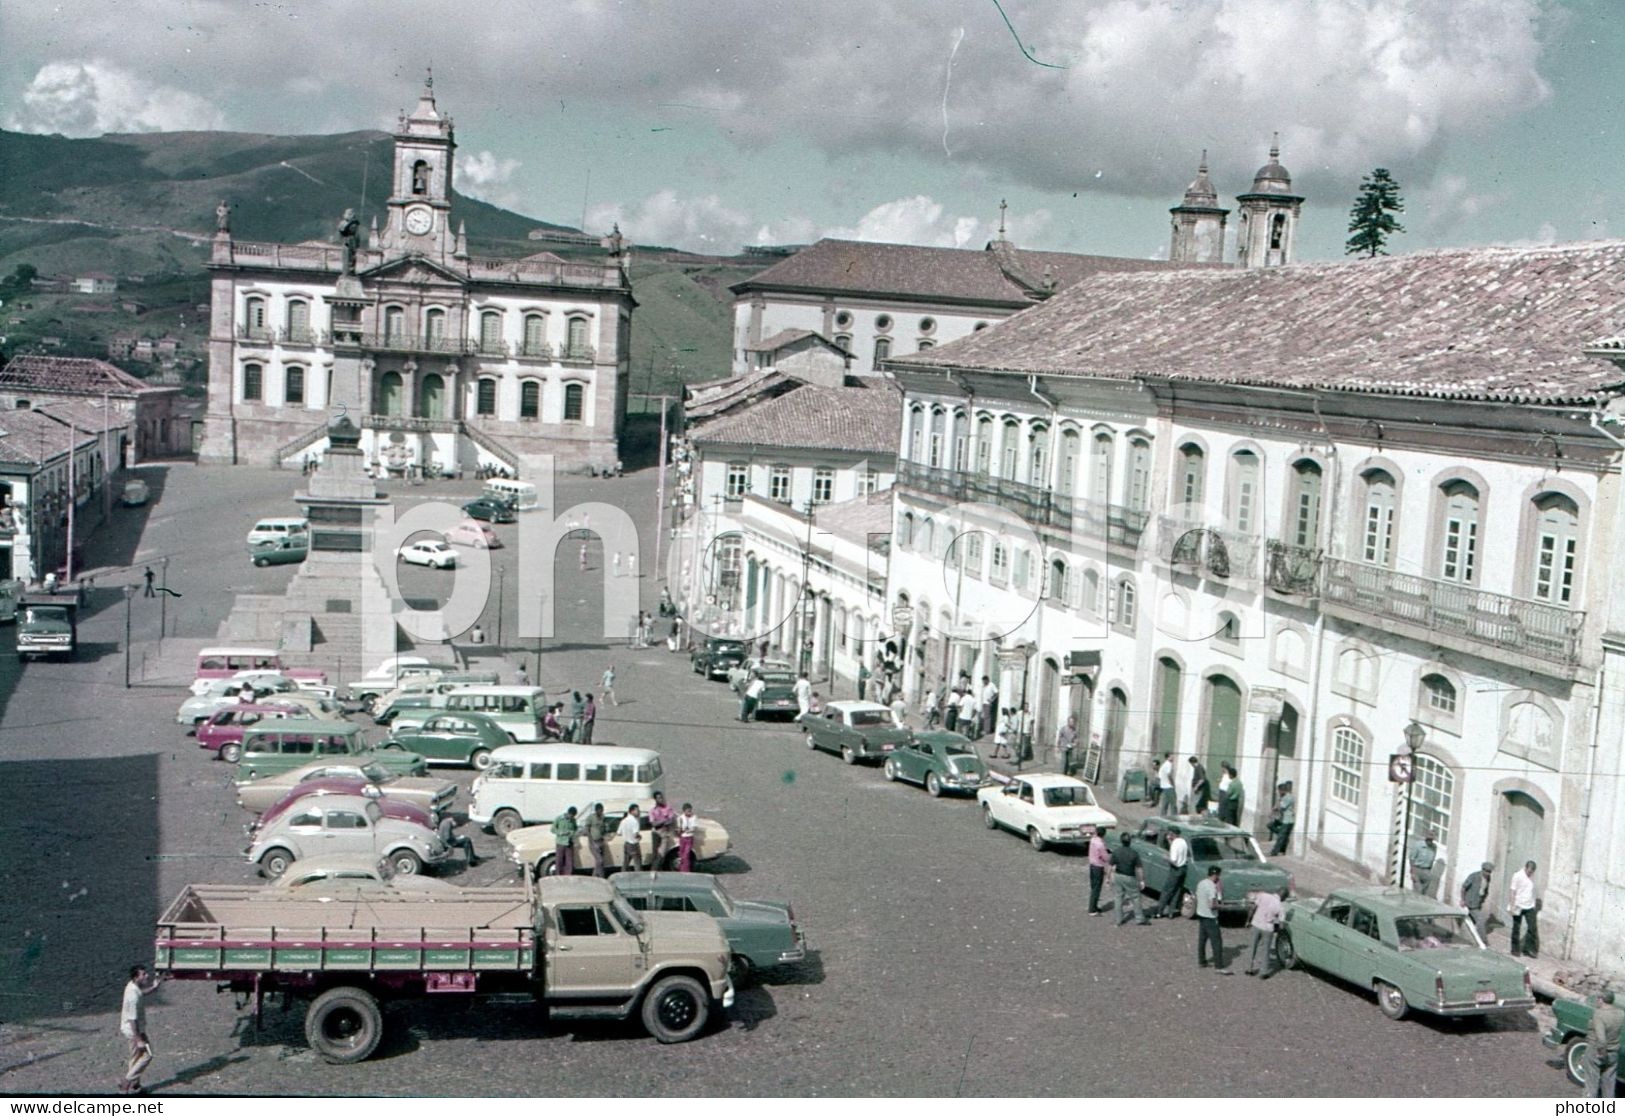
(1198,222)
(1269,215)
(419,211)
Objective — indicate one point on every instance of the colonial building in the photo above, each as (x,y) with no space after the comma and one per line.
(154,417)
(1305,518)
(448,360)
(46,466)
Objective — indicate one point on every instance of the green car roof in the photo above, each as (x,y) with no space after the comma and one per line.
(1393,900)
(1190,825)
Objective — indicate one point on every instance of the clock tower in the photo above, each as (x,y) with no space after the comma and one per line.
(420,197)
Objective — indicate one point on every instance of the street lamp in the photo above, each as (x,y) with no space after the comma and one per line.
(502,576)
(1415,734)
(129,595)
(163,599)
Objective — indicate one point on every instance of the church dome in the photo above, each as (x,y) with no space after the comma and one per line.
(1201,192)
(1272,177)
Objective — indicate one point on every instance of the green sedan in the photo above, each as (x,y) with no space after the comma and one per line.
(461,738)
(1212,844)
(1412,951)
(938,761)
(761,933)
(1571,1021)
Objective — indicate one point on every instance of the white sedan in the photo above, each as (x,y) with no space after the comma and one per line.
(1046,809)
(436,555)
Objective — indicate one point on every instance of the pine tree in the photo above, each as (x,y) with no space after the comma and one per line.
(1371,220)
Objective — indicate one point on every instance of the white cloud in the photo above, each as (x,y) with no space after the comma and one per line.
(924,220)
(485,176)
(94,97)
(1448,203)
(701,224)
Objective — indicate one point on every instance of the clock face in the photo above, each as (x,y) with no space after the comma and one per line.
(419,221)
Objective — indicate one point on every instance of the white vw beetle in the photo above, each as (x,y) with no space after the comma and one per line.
(1046,809)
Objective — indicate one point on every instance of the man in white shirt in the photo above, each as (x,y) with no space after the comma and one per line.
(1167,801)
(1179,858)
(1522,905)
(970,714)
(803,690)
(990,703)
(132,1024)
(1207,923)
(630,832)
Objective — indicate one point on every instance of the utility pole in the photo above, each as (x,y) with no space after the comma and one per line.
(660,491)
(73,436)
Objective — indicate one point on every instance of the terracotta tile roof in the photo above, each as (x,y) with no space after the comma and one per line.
(71,376)
(28,438)
(86,414)
(858,419)
(856,519)
(1505,324)
(1000,274)
(779,340)
(704,401)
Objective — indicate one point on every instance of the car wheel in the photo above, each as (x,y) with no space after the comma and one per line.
(275,863)
(1574,1059)
(933,785)
(890,771)
(1187,905)
(547,865)
(739,968)
(676,1008)
(1036,839)
(406,862)
(668,861)
(811,741)
(481,759)
(848,755)
(505,822)
(392,746)
(1391,1001)
(344,1025)
(262,562)
(987,817)
(1286,954)
(231,753)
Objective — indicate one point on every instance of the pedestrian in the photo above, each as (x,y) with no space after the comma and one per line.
(615,563)
(1179,858)
(1286,814)
(578,708)
(1475,891)
(970,715)
(476,635)
(1265,921)
(899,709)
(1234,797)
(521,674)
(449,837)
(597,828)
(1207,923)
(929,707)
(990,703)
(1602,1036)
(662,830)
(1523,905)
(666,607)
(1166,802)
(609,685)
(1001,736)
(1065,741)
(863,680)
(1100,859)
(817,705)
(564,843)
(675,640)
(583,556)
(751,696)
(1424,858)
(551,729)
(1201,789)
(630,832)
(803,692)
(806,657)
(147,577)
(688,828)
(589,719)
(132,1024)
(1128,873)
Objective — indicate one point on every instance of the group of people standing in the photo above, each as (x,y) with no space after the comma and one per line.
(577,726)
(664,826)
(1224,801)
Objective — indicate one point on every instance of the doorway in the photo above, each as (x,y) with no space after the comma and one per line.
(1048,707)
(1116,722)
(1281,748)
(1523,838)
(1223,721)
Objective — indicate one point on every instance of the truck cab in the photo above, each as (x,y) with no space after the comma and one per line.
(48,624)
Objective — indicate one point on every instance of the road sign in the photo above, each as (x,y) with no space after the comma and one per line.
(1401,768)
(901,616)
(1012,656)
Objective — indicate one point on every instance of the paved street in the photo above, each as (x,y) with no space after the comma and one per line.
(947,959)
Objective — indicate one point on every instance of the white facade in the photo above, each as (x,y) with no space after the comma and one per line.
(899,326)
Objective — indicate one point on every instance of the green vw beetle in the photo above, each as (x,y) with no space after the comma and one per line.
(938,761)
(466,738)
(1412,951)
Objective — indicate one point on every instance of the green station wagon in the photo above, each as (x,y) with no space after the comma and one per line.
(1412,951)
(938,761)
(761,933)
(1212,842)
(272,747)
(467,738)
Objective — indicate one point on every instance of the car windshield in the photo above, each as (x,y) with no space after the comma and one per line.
(375,773)
(728,649)
(1068,796)
(869,718)
(1440,931)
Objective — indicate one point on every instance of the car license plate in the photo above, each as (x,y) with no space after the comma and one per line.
(1484,996)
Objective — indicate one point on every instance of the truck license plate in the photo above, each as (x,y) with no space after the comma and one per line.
(1484,996)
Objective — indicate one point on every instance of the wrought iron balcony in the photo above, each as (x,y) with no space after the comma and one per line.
(411,424)
(1214,551)
(263,334)
(1541,631)
(582,353)
(536,350)
(1292,570)
(414,343)
(1038,507)
(1117,524)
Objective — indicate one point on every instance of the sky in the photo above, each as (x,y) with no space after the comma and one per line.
(712,125)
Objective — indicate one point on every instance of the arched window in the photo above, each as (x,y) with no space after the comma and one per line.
(1091,590)
(575,402)
(1305,503)
(961,439)
(882,349)
(1068,480)
(535,335)
(491,332)
(1244,469)
(927,535)
(253,382)
(1192,475)
(1139,474)
(984,445)
(1348,765)
(1100,468)
(431,397)
(916,433)
(293,384)
(530,399)
(1557,542)
(843,341)
(434,325)
(1228,633)
(1438,695)
(925,343)
(1010,450)
(939,419)
(254,324)
(1377,528)
(389,394)
(999,566)
(1058,587)
(1165,725)
(1458,555)
(905,530)
(394,324)
(420,177)
(298,321)
(1038,458)
(1433,798)
(576,339)
(485,396)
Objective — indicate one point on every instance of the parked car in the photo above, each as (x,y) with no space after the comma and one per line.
(436,796)
(228,691)
(272,747)
(1412,951)
(434,554)
(348,824)
(761,933)
(343,876)
(532,846)
(391,673)
(1571,1019)
(222,733)
(739,674)
(465,738)
(716,656)
(1047,809)
(280,552)
(778,696)
(474,534)
(1235,851)
(492,511)
(854,730)
(135,494)
(938,761)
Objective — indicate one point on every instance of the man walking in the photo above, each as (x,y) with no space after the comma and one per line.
(1234,795)
(1423,859)
(609,685)
(1065,741)
(631,833)
(564,843)
(970,715)
(589,719)
(147,577)
(1603,1038)
(1167,803)
(662,822)
(751,698)
(1100,859)
(1286,813)
(1128,873)
(132,1024)
(1207,923)
(1179,858)
(803,691)
(1475,891)
(1522,905)
(1266,920)
(597,828)
(1201,789)
(990,704)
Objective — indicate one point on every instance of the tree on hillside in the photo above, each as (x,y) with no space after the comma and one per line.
(22,277)
(1372,218)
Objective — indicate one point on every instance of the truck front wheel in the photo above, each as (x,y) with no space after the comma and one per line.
(676,1008)
(344,1025)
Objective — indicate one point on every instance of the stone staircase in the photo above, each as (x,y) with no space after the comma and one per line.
(299,445)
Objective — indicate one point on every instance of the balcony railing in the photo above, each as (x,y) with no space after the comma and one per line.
(411,424)
(1542,631)
(583,353)
(536,350)
(1214,551)
(415,343)
(1292,570)
(1038,507)
(319,257)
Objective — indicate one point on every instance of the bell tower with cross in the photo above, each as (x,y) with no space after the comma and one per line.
(419,208)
